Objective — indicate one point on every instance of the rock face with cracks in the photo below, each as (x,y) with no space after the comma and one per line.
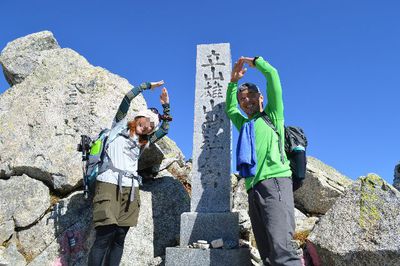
(56,96)
(23,201)
(44,114)
(362,228)
(321,188)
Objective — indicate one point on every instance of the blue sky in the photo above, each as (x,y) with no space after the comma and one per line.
(339,61)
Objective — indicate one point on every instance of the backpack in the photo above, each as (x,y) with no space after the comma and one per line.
(93,159)
(295,149)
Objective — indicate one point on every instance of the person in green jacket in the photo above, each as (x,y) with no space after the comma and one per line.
(262,161)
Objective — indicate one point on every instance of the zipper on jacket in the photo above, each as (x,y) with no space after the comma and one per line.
(279,189)
(280,149)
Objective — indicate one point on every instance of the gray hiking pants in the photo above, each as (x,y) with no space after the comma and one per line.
(271,210)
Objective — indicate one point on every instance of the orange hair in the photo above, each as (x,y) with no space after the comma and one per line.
(132,130)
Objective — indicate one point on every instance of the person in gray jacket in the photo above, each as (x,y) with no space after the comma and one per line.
(116,200)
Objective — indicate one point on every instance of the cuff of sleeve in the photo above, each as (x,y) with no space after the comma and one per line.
(232,84)
(257,59)
(145,85)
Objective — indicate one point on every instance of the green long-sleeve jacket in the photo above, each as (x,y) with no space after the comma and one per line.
(269,161)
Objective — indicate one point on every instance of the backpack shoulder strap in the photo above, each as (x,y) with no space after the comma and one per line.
(268,121)
(115,132)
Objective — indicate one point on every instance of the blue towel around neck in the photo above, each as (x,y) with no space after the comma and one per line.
(246,158)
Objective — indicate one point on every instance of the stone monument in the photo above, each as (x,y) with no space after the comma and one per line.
(210,217)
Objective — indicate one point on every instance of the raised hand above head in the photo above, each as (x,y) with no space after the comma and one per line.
(238,71)
(248,60)
(164,98)
(157,84)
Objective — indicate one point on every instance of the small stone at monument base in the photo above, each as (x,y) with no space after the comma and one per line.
(204,246)
(213,257)
(217,243)
(200,244)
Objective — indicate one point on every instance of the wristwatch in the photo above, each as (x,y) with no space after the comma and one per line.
(254,60)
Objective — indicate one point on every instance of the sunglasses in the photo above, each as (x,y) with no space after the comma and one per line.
(154,110)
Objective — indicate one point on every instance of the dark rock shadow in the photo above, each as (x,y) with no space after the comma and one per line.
(73,225)
(169,201)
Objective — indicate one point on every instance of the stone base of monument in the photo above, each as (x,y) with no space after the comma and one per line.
(213,257)
(209,226)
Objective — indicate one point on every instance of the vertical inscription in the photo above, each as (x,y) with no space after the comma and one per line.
(211,151)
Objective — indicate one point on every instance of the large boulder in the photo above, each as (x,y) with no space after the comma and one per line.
(43,116)
(396,181)
(64,236)
(361,228)
(23,201)
(322,186)
(161,156)
(21,57)
(162,203)
(240,204)
(56,96)
(304,224)
(61,235)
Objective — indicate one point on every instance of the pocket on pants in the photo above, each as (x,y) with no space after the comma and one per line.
(101,207)
(137,194)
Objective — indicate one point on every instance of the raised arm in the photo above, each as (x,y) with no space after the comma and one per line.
(163,130)
(231,107)
(135,91)
(274,90)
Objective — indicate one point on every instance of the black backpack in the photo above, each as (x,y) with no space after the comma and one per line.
(295,149)
(93,157)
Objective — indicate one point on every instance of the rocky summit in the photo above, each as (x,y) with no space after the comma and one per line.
(56,95)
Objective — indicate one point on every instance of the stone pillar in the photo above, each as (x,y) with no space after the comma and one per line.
(210,217)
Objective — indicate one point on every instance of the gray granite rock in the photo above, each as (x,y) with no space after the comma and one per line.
(160,156)
(212,257)
(212,131)
(396,181)
(304,223)
(48,241)
(209,226)
(361,228)
(67,97)
(322,186)
(23,201)
(9,256)
(22,56)
(162,203)
(6,228)
(241,205)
